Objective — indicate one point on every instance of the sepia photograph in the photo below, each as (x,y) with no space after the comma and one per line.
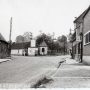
(44,44)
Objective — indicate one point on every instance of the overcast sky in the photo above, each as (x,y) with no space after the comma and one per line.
(34,15)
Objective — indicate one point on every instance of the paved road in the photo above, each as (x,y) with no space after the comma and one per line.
(21,69)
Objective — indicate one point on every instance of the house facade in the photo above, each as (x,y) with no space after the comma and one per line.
(4,47)
(33,50)
(20,48)
(43,48)
(81,37)
(25,48)
(29,48)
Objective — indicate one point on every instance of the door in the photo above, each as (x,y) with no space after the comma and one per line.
(79,51)
(43,50)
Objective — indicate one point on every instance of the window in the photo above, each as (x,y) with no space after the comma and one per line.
(87,38)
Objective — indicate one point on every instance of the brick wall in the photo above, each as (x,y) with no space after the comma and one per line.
(86,48)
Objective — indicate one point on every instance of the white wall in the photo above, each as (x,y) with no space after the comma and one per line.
(16,52)
(33,43)
(46,49)
(31,51)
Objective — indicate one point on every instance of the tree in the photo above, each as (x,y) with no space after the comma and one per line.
(27,36)
(53,46)
(62,38)
(19,39)
(47,38)
(63,43)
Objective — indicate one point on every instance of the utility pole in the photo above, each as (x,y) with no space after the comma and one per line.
(10,29)
(10,35)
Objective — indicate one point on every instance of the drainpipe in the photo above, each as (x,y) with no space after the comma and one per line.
(82,42)
(82,48)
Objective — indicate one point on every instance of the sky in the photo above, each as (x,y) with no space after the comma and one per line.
(34,16)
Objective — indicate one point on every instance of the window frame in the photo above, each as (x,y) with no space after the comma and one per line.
(85,36)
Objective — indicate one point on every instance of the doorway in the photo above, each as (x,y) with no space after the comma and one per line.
(43,50)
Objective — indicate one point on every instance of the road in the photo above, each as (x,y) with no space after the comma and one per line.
(25,70)
(21,69)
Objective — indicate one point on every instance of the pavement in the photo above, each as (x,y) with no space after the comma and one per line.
(71,74)
(4,60)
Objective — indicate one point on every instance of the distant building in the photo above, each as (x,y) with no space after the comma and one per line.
(81,37)
(43,48)
(25,48)
(29,48)
(33,50)
(20,48)
(69,47)
(4,47)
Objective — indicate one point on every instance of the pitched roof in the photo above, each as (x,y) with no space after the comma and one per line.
(24,45)
(80,18)
(2,38)
(43,44)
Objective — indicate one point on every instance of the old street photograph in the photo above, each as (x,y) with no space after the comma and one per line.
(44,44)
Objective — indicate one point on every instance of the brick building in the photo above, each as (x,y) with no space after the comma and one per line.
(81,37)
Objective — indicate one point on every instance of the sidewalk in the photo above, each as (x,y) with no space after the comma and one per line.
(4,60)
(71,74)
